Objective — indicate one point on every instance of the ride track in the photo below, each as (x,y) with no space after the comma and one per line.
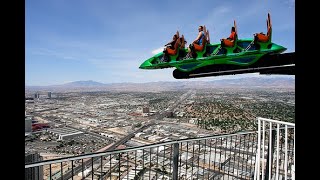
(281,64)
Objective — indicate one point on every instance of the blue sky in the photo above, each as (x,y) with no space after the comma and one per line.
(106,41)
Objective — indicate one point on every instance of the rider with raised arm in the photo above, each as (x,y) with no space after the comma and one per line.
(197,44)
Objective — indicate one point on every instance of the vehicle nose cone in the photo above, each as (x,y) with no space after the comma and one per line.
(146,64)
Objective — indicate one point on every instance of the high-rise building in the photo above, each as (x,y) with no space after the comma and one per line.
(34,173)
(28,124)
(37,95)
(49,95)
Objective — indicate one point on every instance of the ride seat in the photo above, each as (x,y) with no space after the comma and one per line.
(262,37)
(230,47)
(178,46)
(229,43)
(197,47)
(174,51)
(200,50)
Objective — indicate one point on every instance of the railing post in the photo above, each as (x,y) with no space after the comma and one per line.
(175,161)
(273,139)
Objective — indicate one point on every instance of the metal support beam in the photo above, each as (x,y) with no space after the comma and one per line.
(175,161)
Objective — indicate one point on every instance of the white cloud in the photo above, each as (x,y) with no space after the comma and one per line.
(156,51)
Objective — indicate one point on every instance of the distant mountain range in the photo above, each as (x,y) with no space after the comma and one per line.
(249,82)
(89,83)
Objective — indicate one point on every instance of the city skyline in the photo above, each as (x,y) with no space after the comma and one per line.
(68,42)
(70,126)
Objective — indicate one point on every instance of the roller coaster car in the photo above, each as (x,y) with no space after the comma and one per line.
(244,53)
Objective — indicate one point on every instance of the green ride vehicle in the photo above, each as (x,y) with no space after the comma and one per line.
(246,53)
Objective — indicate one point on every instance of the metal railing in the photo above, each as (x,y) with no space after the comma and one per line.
(275,161)
(228,156)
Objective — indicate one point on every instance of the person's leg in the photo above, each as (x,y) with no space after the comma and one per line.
(165,56)
(255,38)
(189,50)
(189,54)
(222,42)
